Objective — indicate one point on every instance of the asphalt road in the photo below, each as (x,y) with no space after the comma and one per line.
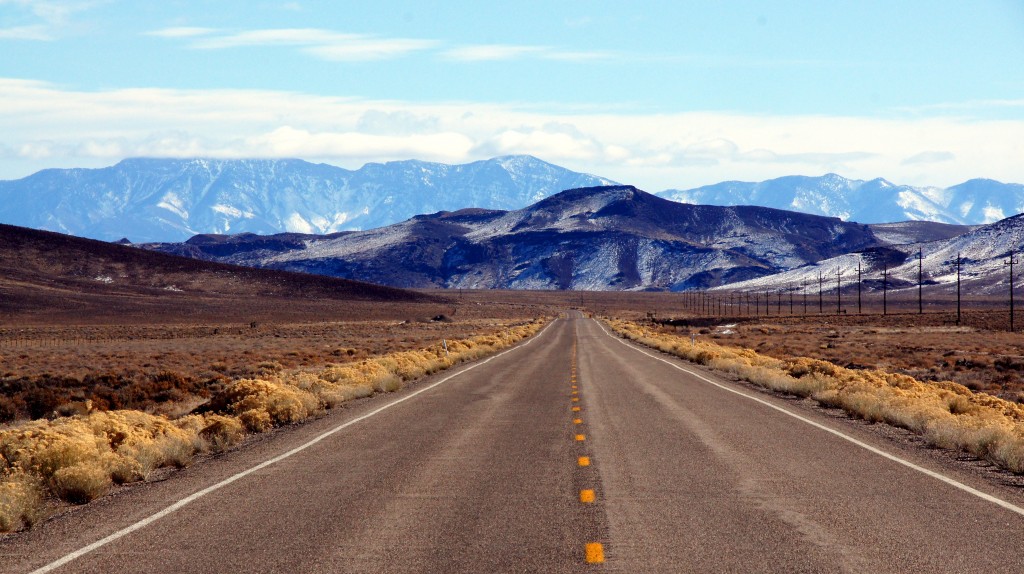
(489,468)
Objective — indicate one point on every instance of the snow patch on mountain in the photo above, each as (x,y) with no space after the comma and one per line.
(974,202)
(170,199)
(993,213)
(983,253)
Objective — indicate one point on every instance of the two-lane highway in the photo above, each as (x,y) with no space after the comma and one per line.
(573,452)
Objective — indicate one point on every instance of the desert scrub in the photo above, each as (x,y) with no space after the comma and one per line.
(948,415)
(284,397)
(20,500)
(78,458)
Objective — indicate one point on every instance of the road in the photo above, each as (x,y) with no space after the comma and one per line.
(573,452)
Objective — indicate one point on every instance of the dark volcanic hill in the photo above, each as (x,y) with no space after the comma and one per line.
(50,275)
(596,238)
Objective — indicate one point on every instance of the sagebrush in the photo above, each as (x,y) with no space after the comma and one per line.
(946,414)
(78,458)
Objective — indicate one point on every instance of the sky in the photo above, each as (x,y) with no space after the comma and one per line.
(655,94)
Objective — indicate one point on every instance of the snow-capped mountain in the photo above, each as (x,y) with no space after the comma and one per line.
(983,252)
(598,238)
(173,199)
(977,201)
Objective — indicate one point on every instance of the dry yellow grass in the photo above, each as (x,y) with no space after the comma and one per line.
(78,458)
(946,414)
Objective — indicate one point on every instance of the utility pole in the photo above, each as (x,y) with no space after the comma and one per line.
(821,296)
(780,302)
(885,289)
(767,303)
(757,304)
(859,308)
(920,280)
(803,282)
(1010,263)
(839,291)
(957,287)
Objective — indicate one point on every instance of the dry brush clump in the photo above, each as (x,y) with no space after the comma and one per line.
(946,414)
(283,397)
(78,458)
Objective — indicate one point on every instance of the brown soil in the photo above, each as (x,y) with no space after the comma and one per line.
(84,320)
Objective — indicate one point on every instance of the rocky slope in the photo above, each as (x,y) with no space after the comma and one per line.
(611,237)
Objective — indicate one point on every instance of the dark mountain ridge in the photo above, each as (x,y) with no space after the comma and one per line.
(607,237)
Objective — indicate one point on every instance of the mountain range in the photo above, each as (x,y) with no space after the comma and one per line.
(595,238)
(174,199)
(150,200)
(974,202)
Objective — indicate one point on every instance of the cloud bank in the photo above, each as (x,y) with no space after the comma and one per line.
(48,126)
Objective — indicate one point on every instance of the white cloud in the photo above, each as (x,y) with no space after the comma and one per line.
(320,43)
(46,126)
(33,32)
(182,32)
(50,18)
(498,52)
(290,142)
(338,46)
(929,157)
(273,37)
(968,106)
(492,52)
(368,49)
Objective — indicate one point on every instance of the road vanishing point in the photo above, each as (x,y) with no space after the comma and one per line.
(574,451)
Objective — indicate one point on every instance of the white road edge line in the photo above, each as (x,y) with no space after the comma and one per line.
(954,483)
(197,495)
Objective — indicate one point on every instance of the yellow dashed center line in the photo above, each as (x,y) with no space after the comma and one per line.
(593,551)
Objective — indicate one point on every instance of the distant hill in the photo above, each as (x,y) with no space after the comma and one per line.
(174,199)
(596,238)
(917,231)
(974,202)
(50,274)
(983,252)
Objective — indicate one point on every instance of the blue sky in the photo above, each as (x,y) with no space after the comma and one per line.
(657,94)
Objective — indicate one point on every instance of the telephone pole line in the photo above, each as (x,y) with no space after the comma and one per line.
(1011,263)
